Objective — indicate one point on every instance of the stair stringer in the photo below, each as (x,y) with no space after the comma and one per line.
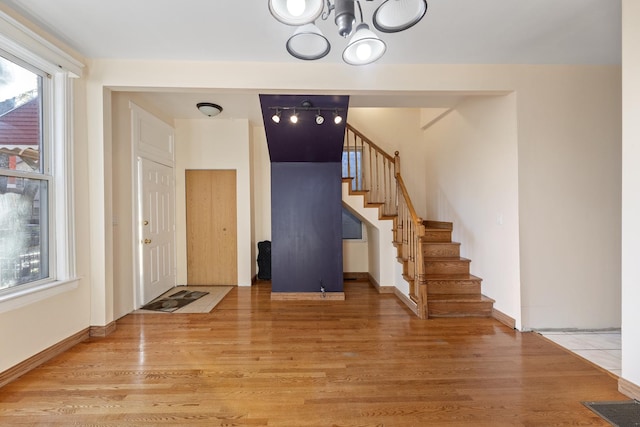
(385,271)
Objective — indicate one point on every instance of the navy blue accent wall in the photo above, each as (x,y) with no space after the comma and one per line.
(306,193)
(306,227)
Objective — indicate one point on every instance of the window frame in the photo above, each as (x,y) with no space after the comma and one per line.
(24,47)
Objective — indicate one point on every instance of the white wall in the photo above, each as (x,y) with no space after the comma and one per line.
(471,168)
(569,188)
(215,144)
(355,255)
(631,192)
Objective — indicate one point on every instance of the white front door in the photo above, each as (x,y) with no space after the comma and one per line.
(156,227)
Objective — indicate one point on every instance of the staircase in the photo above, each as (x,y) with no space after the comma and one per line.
(449,288)
(440,283)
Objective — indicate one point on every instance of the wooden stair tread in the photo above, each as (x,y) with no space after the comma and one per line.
(441,243)
(460,298)
(446,259)
(452,277)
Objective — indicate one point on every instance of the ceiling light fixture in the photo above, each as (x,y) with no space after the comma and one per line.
(209,109)
(308,43)
(304,107)
(365,47)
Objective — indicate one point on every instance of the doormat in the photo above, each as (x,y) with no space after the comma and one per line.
(174,301)
(619,414)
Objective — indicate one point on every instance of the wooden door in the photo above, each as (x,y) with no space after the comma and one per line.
(212,246)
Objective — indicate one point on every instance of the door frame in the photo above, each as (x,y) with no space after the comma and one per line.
(162,153)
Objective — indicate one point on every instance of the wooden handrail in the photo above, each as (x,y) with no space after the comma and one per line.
(372,171)
(364,138)
(405,194)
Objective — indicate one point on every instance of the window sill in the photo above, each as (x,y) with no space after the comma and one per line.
(23,297)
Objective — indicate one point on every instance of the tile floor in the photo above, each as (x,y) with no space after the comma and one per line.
(603,348)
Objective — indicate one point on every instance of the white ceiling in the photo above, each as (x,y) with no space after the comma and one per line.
(452,32)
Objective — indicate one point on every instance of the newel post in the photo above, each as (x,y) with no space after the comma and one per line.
(396,160)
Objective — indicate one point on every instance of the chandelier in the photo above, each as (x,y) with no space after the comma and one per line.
(364,46)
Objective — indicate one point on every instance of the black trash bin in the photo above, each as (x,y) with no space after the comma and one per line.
(264,260)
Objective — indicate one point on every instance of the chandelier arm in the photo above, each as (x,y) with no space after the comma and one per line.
(330,7)
(360,9)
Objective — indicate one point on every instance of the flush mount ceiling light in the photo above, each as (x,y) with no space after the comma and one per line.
(365,46)
(209,109)
(303,108)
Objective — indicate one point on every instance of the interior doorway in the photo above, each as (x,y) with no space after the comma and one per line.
(212,247)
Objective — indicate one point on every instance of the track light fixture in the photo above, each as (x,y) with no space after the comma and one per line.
(307,106)
(365,46)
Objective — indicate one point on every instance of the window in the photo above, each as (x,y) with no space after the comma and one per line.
(352,167)
(24,177)
(351,226)
(37,253)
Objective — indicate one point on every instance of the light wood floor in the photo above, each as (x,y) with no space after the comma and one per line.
(365,361)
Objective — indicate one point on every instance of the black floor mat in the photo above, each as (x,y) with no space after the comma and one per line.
(619,414)
(174,301)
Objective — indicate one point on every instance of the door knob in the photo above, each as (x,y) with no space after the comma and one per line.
(147,241)
(145,222)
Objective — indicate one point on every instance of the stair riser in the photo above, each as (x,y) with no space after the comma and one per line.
(453,287)
(460,309)
(446,267)
(438,224)
(437,236)
(440,250)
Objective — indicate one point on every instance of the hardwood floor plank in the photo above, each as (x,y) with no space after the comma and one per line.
(364,361)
